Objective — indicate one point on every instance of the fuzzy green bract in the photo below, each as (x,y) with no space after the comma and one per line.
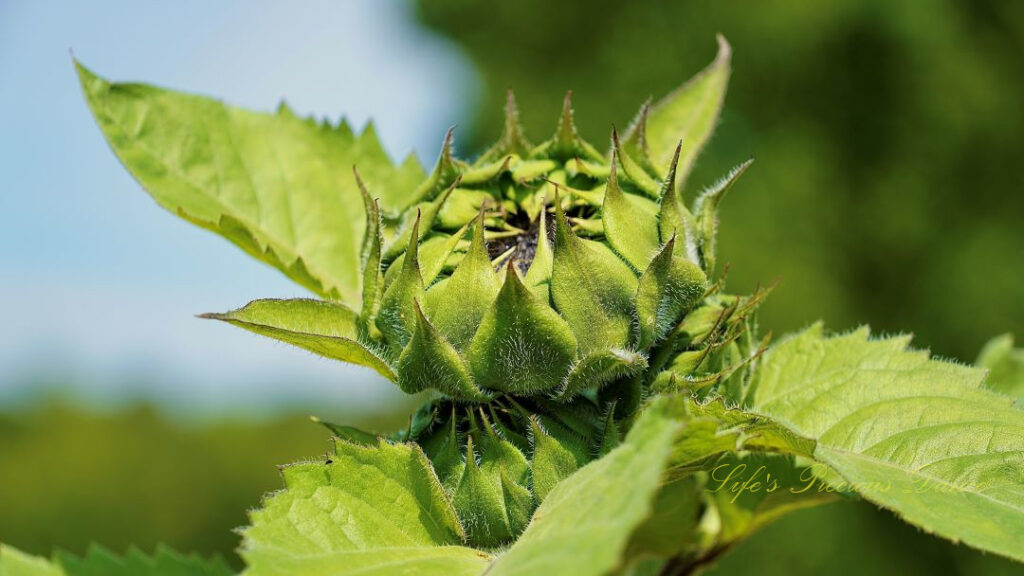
(595,392)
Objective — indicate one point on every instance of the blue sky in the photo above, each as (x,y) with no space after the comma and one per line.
(99,286)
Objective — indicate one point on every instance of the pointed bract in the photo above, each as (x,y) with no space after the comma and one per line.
(706,210)
(552,461)
(636,175)
(431,362)
(487,525)
(668,288)
(634,141)
(599,368)
(538,276)
(442,446)
(565,134)
(519,503)
(522,346)
(396,318)
(673,217)
(427,212)
(457,306)
(628,228)
(566,142)
(498,453)
(610,434)
(445,172)
(373,275)
(513,140)
(327,329)
(592,289)
(690,112)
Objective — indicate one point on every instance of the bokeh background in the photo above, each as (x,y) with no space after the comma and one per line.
(886,191)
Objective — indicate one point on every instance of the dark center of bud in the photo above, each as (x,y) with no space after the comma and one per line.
(524,244)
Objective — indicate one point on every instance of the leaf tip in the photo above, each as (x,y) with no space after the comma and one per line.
(724,50)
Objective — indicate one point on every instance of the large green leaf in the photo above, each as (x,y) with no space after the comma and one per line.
(585,523)
(368,510)
(279,186)
(325,328)
(689,113)
(918,436)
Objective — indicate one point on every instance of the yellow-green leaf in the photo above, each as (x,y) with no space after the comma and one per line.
(279,186)
(328,329)
(918,436)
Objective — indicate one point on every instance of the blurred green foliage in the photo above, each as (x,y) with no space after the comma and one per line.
(850,537)
(887,135)
(69,477)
